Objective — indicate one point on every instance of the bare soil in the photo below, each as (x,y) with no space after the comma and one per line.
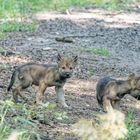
(119,33)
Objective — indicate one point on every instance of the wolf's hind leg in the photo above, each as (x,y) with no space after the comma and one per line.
(40,93)
(25,84)
(16,92)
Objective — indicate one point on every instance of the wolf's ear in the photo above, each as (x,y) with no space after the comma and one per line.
(75,59)
(59,57)
(131,76)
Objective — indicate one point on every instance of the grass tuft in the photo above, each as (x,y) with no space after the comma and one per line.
(17,26)
(132,126)
(8,124)
(24,119)
(97,51)
(1,35)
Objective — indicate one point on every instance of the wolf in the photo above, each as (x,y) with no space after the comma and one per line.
(109,91)
(43,76)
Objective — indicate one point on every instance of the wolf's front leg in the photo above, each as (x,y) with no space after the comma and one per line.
(116,105)
(107,105)
(61,96)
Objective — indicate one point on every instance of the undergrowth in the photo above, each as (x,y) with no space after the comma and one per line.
(25,119)
(24,7)
(132,126)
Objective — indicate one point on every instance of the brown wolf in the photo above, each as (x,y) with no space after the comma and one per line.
(43,76)
(109,91)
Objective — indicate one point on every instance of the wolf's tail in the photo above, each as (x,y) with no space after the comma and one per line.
(12,80)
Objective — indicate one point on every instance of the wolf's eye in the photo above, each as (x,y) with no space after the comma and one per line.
(63,68)
(70,68)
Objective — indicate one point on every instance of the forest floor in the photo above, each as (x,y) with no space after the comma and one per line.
(107,44)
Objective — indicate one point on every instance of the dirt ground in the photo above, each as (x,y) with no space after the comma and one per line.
(117,32)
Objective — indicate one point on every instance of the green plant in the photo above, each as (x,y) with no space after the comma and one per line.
(4,66)
(24,127)
(133,127)
(97,51)
(113,4)
(14,8)
(2,50)
(23,8)
(1,35)
(90,71)
(3,128)
(17,26)
(61,115)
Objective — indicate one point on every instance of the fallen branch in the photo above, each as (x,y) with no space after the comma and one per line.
(64,39)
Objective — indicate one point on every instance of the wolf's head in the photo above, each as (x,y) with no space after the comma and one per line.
(134,81)
(66,65)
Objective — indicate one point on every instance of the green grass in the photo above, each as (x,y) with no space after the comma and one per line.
(97,51)
(91,71)
(25,119)
(114,4)
(2,50)
(12,8)
(24,127)
(23,9)
(64,4)
(133,127)
(1,35)
(17,26)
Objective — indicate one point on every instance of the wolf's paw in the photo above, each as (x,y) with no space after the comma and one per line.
(64,106)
